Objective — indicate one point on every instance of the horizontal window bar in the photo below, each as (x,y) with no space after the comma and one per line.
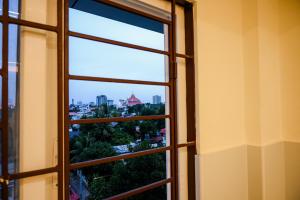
(113,80)
(33,173)
(184,56)
(188,144)
(141,189)
(114,42)
(119,157)
(33,24)
(118,119)
(130,9)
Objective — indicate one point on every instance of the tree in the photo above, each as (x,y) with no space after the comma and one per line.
(97,141)
(148,127)
(120,137)
(130,174)
(130,128)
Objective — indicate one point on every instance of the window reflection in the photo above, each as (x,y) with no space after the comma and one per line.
(13,108)
(41,11)
(32,99)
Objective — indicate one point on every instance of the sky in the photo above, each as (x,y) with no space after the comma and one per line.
(12,52)
(89,58)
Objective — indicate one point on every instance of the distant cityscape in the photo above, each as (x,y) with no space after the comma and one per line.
(117,137)
(79,109)
(124,108)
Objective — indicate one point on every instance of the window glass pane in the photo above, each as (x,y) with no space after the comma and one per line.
(1,98)
(42,187)
(32,99)
(182,154)
(1,7)
(40,11)
(181,101)
(0,152)
(94,18)
(90,58)
(121,176)
(89,99)
(159,193)
(13,8)
(13,84)
(0,45)
(180,29)
(94,141)
(13,190)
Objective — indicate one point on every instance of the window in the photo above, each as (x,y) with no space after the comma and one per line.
(30,64)
(112,121)
(121,89)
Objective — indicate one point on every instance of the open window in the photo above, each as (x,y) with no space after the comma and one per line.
(126,90)
(116,119)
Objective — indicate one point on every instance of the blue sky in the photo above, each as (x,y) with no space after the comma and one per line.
(91,58)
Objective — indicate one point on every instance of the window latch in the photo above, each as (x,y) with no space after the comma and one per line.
(4,181)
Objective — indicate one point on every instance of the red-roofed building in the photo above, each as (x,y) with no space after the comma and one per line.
(132,101)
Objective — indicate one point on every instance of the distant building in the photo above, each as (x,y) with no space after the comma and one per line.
(79,103)
(102,99)
(132,101)
(156,99)
(110,102)
(92,104)
(73,102)
(122,103)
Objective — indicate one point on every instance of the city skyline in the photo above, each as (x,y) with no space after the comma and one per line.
(115,102)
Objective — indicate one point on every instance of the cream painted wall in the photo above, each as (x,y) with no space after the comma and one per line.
(221,100)
(248,90)
(220,74)
(289,30)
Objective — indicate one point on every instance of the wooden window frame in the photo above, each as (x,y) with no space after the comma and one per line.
(63,166)
(6,177)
